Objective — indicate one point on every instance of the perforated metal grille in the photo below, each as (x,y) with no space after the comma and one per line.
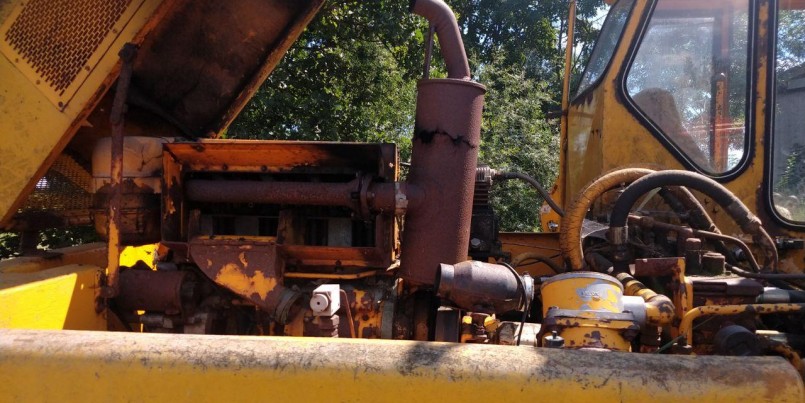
(65,187)
(57,37)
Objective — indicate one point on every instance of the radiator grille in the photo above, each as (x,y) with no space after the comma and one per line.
(57,43)
(65,187)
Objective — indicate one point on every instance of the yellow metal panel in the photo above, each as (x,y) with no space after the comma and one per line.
(88,254)
(57,298)
(58,60)
(34,131)
(99,366)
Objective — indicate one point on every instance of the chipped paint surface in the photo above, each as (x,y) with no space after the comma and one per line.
(97,366)
(583,291)
(231,276)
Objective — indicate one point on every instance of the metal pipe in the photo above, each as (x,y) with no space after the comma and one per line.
(479,286)
(150,290)
(686,325)
(563,118)
(659,308)
(295,193)
(571,32)
(335,276)
(444,22)
(117,120)
(444,157)
(393,198)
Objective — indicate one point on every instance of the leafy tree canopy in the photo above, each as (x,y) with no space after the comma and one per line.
(352,77)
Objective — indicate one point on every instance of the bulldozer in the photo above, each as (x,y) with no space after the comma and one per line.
(671,265)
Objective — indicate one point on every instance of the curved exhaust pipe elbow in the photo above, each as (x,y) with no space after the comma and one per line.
(452,47)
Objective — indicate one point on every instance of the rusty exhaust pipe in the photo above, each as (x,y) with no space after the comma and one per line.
(444,157)
(444,22)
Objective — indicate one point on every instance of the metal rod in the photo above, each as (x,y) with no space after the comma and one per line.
(117,120)
(297,193)
(760,309)
(563,123)
(428,51)
(334,276)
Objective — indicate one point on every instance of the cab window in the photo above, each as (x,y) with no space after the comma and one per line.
(605,45)
(688,79)
(788,143)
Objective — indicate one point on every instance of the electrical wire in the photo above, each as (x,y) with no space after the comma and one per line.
(348,308)
(527,300)
(535,184)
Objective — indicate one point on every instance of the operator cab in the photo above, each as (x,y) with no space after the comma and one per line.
(684,84)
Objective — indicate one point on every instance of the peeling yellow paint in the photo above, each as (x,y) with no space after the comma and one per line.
(231,276)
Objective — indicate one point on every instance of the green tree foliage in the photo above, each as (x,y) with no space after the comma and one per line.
(517,137)
(52,238)
(527,35)
(352,77)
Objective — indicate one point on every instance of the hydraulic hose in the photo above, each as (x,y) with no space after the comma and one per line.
(698,217)
(721,195)
(572,221)
(535,184)
(679,198)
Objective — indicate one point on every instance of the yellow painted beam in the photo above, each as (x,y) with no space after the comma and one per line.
(90,254)
(101,366)
(56,298)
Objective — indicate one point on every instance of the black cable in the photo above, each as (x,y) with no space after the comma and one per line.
(527,300)
(544,260)
(536,185)
(765,276)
